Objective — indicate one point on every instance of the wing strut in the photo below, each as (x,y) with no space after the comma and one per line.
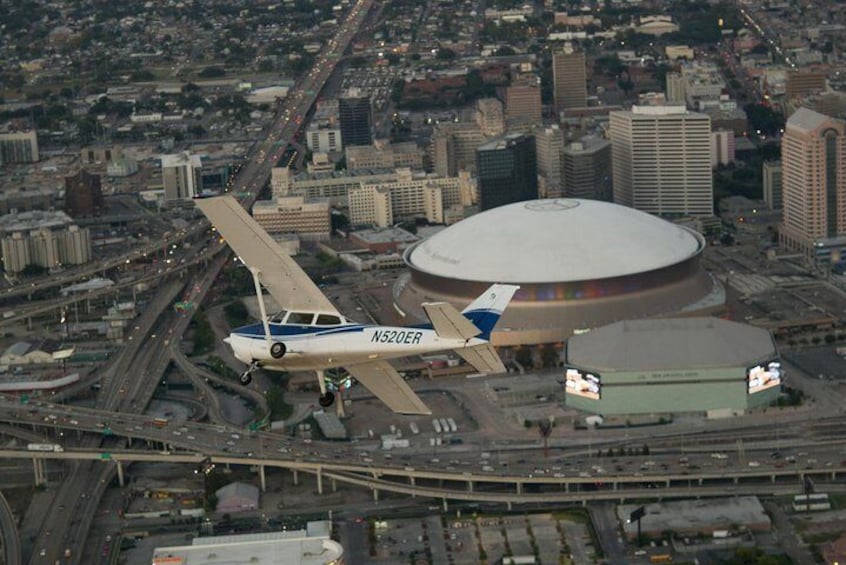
(262,309)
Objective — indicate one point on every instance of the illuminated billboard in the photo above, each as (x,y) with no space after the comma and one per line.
(582,384)
(763,376)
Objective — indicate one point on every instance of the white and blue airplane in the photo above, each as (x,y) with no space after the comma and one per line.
(310,333)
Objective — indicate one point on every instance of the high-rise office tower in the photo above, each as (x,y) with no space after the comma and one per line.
(83,195)
(661,159)
(490,117)
(182,176)
(569,80)
(813,160)
(522,101)
(549,142)
(355,114)
(722,147)
(454,147)
(674,89)
(586,169)
(805,83)
(507,171)
(772,185)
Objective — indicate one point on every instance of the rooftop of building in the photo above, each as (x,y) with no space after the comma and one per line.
(503,142)
(385,235)
(302,177)
(33,220)
(310,546)
(671,343)
(181,159)
(569,240)
(806,120)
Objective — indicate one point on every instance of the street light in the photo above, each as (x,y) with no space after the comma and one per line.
(636,515)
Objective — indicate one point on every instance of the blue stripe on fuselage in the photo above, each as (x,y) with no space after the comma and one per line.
(281,330)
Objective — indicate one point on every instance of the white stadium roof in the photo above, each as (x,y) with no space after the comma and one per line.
(556,240)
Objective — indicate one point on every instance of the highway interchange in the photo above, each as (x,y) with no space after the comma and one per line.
(515,472)
(129,380)
(709,457)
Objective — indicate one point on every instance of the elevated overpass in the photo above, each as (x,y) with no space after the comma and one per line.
(485,487)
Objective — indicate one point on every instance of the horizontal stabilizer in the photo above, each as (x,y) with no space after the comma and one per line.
(483,357)
(380,378)
(448,322)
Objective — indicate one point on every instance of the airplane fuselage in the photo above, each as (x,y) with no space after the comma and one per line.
(309,347)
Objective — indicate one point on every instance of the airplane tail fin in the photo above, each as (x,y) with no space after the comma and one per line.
(477,320)
(485,311)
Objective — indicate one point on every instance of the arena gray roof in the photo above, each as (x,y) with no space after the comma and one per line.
(555,240)
(670,343)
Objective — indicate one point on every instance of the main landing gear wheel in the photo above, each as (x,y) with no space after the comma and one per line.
(277,350)
(327,399)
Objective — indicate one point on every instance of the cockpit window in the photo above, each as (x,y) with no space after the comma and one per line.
(277,318)
(327,320)
(303,318)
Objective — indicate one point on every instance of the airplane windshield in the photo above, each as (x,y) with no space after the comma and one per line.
(276,318)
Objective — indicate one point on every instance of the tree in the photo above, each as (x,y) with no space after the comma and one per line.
(764,119)
(212,72)
(279,409)
(524,357)
(142,75)
(236,314)
(266,65)
(203,334)
(549,356)
(34,271)
(445,54)
(197,130)
(339,221)
(609,65)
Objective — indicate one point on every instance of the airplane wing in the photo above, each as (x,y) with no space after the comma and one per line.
(382,379)
(483,358)
(289,286)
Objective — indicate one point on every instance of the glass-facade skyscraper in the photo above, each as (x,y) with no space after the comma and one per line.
(507,170)
(356,117)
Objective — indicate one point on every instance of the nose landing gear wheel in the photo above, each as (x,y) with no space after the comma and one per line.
(247,376)
(326,400)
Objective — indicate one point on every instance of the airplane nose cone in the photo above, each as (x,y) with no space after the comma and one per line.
(228,339)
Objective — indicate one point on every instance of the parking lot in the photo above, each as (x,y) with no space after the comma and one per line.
(463,540)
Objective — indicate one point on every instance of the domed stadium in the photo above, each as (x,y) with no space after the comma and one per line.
(580,264)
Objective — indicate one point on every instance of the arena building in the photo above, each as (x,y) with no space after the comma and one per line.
(672,365)
(580,264)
